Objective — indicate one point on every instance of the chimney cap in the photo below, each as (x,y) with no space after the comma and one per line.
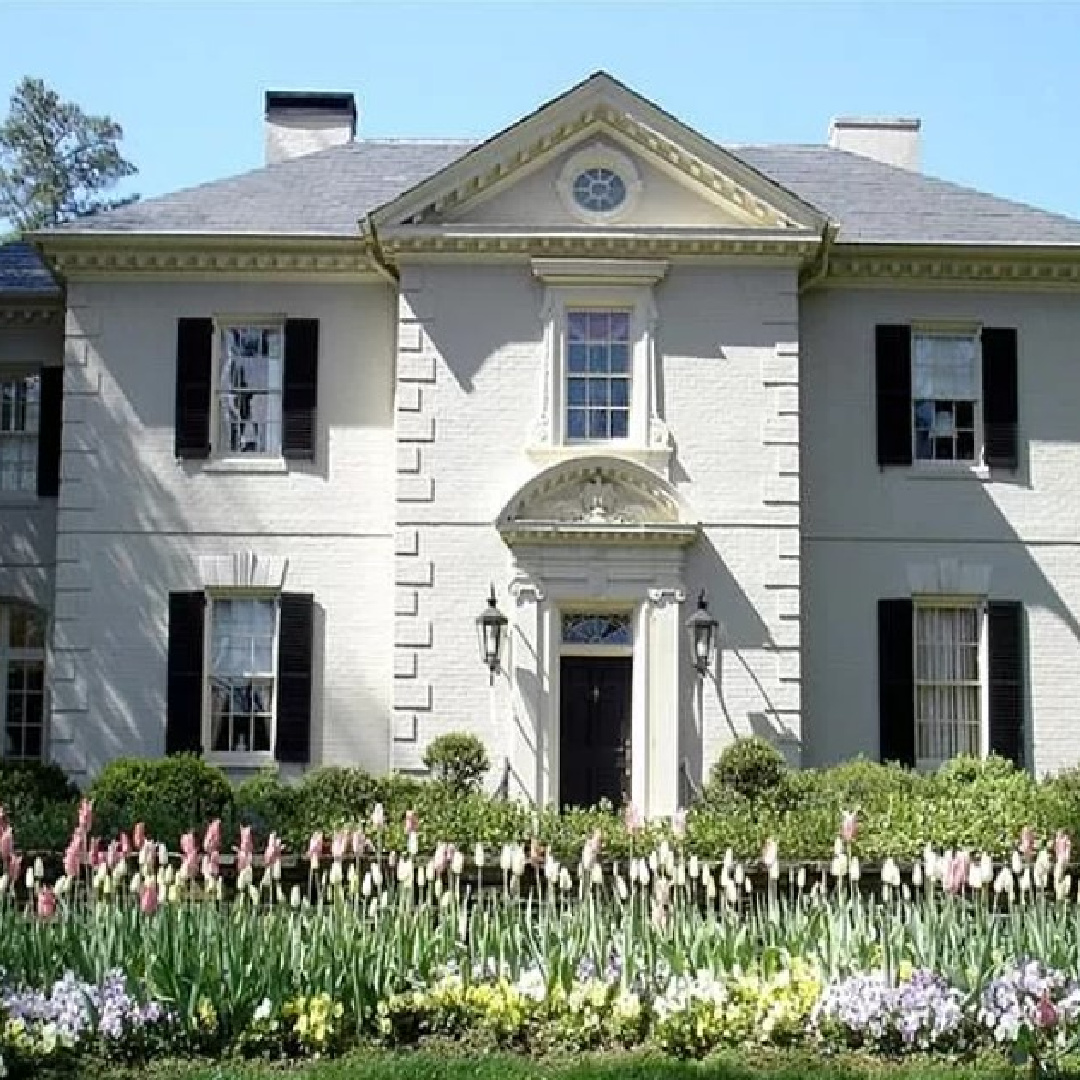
(887,123)
(311,101)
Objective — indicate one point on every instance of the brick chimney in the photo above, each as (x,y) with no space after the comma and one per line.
(299,122)
(892,141)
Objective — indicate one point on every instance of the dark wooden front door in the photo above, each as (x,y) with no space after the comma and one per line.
(594,754)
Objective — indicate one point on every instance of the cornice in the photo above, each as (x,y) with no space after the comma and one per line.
(670,535)
(28,313)
(1020,268)
(192,257)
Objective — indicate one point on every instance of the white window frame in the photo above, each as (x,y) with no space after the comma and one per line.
(600,285)
(977,465)
(237,758)
(9,654)
(602,156)
(11,374)
(948,602)
(222,457)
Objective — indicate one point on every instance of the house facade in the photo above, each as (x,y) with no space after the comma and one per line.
(599,364)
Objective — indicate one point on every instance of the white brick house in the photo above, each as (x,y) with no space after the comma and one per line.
(312,413)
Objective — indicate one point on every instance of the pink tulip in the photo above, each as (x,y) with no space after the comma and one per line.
(957,872)
(678,823)
(247,840)
(14,865)
(72,860)
(315,848)
(1062,847)
(359,843)
(633,818)
(4,823)
(443,854)
(46,903)
(189,864)
(1028,839)
(849,826)
(112,855)
(1046,1014)
(7,843)
(412,822)
(139,836)
(274,850)
(211,866)
(339,846)
(86,815)
(148,898)
(212,839)
(125,844)
(243,860)
(188,844)
(94,855)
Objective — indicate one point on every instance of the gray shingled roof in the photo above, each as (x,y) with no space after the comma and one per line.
(23,273)
(325,193)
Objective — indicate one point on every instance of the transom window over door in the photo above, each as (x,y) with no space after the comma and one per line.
(242,666)
(597,375)
(250,389)
(945,395)
(22,668)
(20,397)
(948,687)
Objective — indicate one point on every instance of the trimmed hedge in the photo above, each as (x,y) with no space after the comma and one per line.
(981,805)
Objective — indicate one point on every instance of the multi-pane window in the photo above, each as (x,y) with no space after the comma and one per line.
(945,397)
(249,394)
(587,629)
(22,668)
(20,397)
(948,696)
(597,375)
(242,662)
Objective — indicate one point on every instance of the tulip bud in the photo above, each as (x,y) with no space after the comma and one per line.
(294,898)
(693,867)
(478,856)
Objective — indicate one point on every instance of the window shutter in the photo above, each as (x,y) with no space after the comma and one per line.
(896,681)
(194,346)
(1000,397)
(50,430)
(183,722)
(301,388)
(1006,633)
(893,364)
(295,642)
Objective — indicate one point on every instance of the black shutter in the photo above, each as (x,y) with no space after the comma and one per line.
(183,721)
(50,430)
(300,394)
(1006,632)
(1000,397)
(893,366)
(194,346)
(295,643)
(896,681)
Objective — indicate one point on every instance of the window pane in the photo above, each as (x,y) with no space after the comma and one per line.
(620,326)
(598,391)
(620,392)
(598,359)
(620,420)
(620,358)
(598,425)
(578,392)
(250,389)
(597,344)
(599,325)
(576,424)
(577,323)
(577,358)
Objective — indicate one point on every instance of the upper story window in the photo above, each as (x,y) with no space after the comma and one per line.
(22,677)
(241,675)
(250,389)
(20,397)
(598,375)
(948,685)
(599,190)
(945,390)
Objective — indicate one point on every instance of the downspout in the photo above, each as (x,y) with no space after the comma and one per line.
(375,250)
(820,270)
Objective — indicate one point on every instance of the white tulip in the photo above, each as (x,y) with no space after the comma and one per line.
(890,873)
(917,875)
(376,876)
(457,864)
(479,856)
(731,894)
(800,878)
(365,885)
(654,862)
(517,866)
(1063,887)
(506,859)
(1017,863)
(854,870)
(551,869)
(565,881)
(597,876)
(680,875)
(740,874)
(294,898)
(693,867)
(412,843)
(1004,882)
(620,888)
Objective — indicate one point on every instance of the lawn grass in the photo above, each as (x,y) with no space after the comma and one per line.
(454,1064)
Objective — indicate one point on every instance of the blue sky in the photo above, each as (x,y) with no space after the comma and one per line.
(995,84)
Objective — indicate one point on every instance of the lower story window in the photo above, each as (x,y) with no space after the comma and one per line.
(948,688)
(242,665)
(22,668)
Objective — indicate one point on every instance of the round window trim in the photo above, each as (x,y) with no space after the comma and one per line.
(604,167)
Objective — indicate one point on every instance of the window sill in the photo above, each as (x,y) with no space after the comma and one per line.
(946,470)
(546,454)
(18,498)
(244,465)
(253,760)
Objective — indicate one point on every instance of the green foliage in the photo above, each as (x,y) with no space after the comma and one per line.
(752,768)
(55,159)
(170,795)
(457,759)
(32,784)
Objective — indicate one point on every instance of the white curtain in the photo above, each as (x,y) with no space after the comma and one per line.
(946,683)
(243,637)
(944,368)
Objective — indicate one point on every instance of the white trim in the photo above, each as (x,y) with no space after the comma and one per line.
(599,155)
(31,655)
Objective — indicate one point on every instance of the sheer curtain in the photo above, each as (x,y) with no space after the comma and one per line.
(946,683)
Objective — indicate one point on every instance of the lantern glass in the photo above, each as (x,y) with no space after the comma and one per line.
(490,627)
(702,627)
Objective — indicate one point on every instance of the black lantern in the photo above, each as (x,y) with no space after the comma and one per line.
(702,627)
(490,624)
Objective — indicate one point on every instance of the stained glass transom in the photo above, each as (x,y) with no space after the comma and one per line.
(596,629)
(599,190)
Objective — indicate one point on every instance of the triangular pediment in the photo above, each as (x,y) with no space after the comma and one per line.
(598,498)
(521,179)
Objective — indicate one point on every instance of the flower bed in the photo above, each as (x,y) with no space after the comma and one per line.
(135,951)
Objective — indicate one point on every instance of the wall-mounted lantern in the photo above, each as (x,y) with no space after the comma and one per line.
(490,627)
(702,627)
